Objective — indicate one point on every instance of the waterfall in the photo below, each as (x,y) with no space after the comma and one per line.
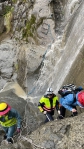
(63,53)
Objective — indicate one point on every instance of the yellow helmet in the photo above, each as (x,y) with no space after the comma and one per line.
(4,108)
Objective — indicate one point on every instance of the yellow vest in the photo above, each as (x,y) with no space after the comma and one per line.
(8,122)
(47,105)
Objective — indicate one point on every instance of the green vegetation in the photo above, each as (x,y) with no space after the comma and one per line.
(8,18)
(14,1)
(29,28)
(7,9)
(16,67)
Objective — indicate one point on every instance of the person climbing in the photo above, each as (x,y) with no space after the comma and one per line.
(10,120)
(47,105)
(71,96)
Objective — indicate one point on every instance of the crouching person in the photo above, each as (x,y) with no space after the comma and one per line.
(48,103)
(10,121)
(70,98)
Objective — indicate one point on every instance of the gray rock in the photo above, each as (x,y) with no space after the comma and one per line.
(1,24)
(69,134)
(8,57)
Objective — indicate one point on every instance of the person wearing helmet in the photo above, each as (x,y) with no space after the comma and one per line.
(10,120)
(48,103)
(69,100)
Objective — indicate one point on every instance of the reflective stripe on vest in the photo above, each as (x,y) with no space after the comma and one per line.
(47,104)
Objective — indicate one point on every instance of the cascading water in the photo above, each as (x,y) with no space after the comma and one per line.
(59,60)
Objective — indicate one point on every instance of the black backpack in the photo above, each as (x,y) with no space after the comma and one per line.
(66,89)
(69,89)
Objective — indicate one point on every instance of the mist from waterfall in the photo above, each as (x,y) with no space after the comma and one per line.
(63,53)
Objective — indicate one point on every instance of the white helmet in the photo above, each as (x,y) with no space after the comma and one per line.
(49,91)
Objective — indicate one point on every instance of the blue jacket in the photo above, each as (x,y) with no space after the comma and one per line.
(68,101)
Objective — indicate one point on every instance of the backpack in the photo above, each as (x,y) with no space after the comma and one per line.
(69,89)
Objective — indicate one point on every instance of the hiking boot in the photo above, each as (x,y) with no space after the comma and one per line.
(4,137)
(10,140)
(60,117)
(74,114)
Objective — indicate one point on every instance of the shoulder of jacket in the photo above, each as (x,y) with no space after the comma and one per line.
(43,97)
(55,96)
(13,110)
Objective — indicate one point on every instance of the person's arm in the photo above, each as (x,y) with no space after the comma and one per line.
(67,106)
(67,102)
(17,116)
(41,104)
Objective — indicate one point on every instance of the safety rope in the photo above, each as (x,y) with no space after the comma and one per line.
(32,90)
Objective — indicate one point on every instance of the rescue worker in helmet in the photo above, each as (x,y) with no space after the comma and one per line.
(69,100)
(48,103)
(10,120)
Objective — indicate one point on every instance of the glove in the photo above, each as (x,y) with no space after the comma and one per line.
(58,112)
(45,112)
(18,130)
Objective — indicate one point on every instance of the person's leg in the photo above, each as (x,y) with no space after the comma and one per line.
(49,117)
(62,113)
(6,132)
(10,133)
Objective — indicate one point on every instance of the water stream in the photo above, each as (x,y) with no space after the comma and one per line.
(59,59)
(15,88)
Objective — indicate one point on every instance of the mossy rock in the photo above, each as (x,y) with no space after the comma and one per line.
(30,28)
(7,19)
(6,10)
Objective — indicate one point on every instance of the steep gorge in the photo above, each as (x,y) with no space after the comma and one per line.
(50,54)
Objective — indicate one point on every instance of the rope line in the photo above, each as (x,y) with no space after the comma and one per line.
(32,90)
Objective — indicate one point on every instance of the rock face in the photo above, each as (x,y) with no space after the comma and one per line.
(1,18)
(33,22)
(35,28)
(41,24)
(1,25)
(14,101)
(14,95)
(61,61)
(76,72)
(30,58)
(62,134)
(8,61)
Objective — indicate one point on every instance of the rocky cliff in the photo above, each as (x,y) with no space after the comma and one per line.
(41,45)
(62,134)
